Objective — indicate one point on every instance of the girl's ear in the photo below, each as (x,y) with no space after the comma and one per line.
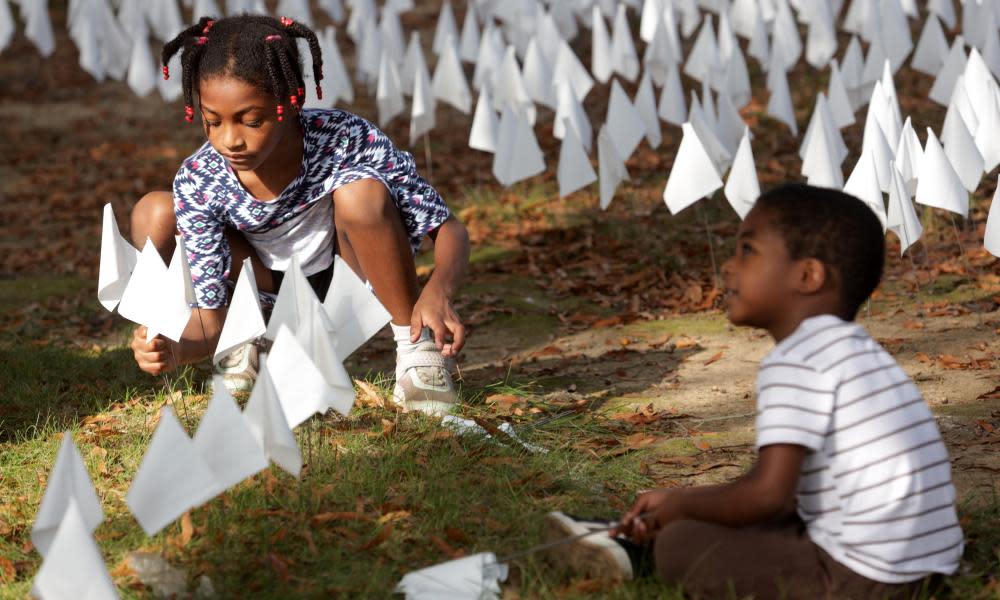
(812,276)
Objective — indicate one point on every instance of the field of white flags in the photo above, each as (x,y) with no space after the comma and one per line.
(601,155)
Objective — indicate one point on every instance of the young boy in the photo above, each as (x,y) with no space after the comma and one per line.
(851,495)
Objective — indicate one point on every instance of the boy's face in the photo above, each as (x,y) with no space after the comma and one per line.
(241,121)
(760,277)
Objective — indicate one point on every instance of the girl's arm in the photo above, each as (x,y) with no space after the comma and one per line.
(198,342)
(762,493)
(433,309)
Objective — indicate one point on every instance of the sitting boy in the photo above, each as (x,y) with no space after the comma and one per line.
(851,495)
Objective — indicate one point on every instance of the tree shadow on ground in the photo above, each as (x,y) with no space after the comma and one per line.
(51,386)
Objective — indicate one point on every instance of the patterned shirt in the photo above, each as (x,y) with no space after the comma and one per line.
(875,489)
(339,148)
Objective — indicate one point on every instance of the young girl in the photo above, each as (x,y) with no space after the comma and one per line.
(275,181)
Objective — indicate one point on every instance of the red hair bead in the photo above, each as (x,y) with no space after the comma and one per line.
(201,40)
(286,22)
(166,72)
(208,27)
(293,100)
(281,111)
(319,93)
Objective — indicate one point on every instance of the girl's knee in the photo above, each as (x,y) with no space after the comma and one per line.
(154,210)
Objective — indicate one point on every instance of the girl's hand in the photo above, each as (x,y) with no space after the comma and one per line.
(650,513)
(153,357)
(433,309)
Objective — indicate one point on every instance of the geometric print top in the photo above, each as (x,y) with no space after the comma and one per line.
(339,148)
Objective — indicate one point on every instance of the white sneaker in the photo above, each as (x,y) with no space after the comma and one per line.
(423,381)
(239,368)
(598,556)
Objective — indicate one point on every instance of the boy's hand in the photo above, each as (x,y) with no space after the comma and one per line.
(433,309)
(652,510)
(153,357)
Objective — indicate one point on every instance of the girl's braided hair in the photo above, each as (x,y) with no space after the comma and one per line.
(258,49)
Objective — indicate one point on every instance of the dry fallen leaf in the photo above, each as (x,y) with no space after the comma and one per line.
(714,358)
(187,530)
(701,444)
(340,516)
(7,571)
(382,536)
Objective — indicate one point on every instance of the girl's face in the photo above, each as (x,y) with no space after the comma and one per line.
(241,121)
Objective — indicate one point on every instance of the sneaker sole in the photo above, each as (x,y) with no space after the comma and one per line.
(597,556)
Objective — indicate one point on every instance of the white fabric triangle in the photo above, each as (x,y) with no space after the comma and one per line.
(510,90)
(729,124)
(422,110)
(570,111)
(600,47)
(895,32)
(624,59)
(645,105)
(68,482)
(839,101)
(945,11)
(202,8)
(932,48)
(743,16)
(938,184)
(118,259)
(295,298)
(852,70)
(864,185)
(266,421)
(716,150)
(908,156)
(491,54)
(786,45)
(960,148)
(301,386)
(225,442)
(477,576)
(954,65)
(659,56)
(449,83)
(484,132)
(389,93)
(874,60)
(672,107)
(703,62)
(244,320)
(978,83)
(574,171)
(625,124)
(548,36)
(369,57)
(649,18)
(468,44)
(446,27)
(902,218)
(38,26)
(568,69)
(875,141)
(157,296)
(893,120)
(779,105)
(353,310)
(726,40)
(391,31)
(518,156)
(988,134)
(413,63)
(172,478)
(692,176)
(74,567)
(537,74)
(821,41)
(991,241)
(164,17)
(759,46)
(820,164)
(611,166)
(7,27)
(737,79)
(742,186)
(991,50)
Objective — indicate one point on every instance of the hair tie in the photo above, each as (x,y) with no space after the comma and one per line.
(201,41)
(286,22)
(271,38)
(166,72)
(319,93)
(208,27)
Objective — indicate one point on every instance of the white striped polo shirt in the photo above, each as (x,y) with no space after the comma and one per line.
(875,489)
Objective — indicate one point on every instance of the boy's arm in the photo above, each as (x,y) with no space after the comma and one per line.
(767,489)
(433,309)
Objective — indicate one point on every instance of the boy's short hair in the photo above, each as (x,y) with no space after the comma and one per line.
(835,228)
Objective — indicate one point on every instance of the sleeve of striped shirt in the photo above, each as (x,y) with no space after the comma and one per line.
(204,239)
(794,404)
